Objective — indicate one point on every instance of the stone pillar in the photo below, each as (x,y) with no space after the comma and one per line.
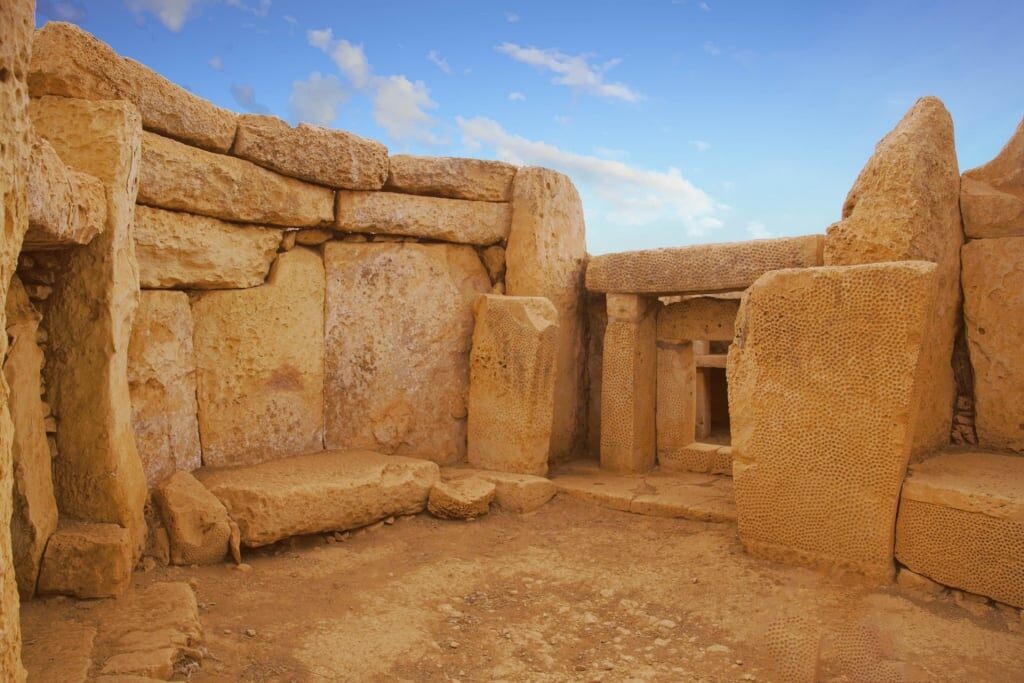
(676,413)
(628,392)
(702,395)
(98,476)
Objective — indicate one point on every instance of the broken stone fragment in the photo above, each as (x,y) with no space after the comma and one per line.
(197,523)
(461,498)
(454,178)
(175,176)
(70,62)
(992,195)
(66,207)
(178,250)
(334,158)
(513,492)
(87,560)
(450,220)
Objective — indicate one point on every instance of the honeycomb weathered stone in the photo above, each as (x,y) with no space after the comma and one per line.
(701,268)
(961,523)
(823,389)
(699,317)
(676,398)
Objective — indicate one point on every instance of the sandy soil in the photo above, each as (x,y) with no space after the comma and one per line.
(572,592)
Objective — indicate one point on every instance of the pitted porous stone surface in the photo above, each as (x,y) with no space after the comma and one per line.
(397,377)
(260,364)
(823,389)
(175,176)
(961,523)
(465,498)
(904,206)
(993,283)
(454,178)
(701,268)
(66,207)
(676,403)
(512,384)
(597,321)
(69,62)
(162,380)
(178,250)
(328,491)
(448,220)
(992,195)
(334,158)
(699,317)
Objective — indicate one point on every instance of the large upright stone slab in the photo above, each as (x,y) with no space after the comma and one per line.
(260,365)
(546,256)
(475,179)
(34,515)
(512,384)
(905,206)
(397,374)
(628,385)
(66,207)
(98,474)
(162,380)
(448,220)
(825,377)
(68,61)
(176,176)
(705,318)
(16,21)
(178,250)
(993,283)
(992,195)
(334,158)
(702,268)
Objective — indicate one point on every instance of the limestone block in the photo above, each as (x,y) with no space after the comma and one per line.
(176,176)
(597,321)
(824,382)
(260,364)
(334,158)
(628,385)
(162,380)
(513,492)
(34,515)
(512,384)
(179,250)
(196,521)
(328,491)
(68,61)
(705,318)
(313,237)
(98,476)
(87,561)
(904,206)
(16,22)
(494,260)
(65,207)
(676,414)
(476,179)
(992,195)
(961,523)
(546,257)
(397,377)
(696,457)
(465,498)
(449,220)
(993,285)
(702,268)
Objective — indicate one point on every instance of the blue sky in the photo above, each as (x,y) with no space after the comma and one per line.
(680,122)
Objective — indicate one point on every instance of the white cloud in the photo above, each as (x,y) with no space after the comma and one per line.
(62,10)
(440,62)
(260,9)
(562,119)
(215,63)
(573,71)
(171,13)
(758,231)
(516,96)
(245,95)
(624,197)
(399,108)
(511,17)
(712,49)
(701,145)
(317,99)
(348,57)
(290,19)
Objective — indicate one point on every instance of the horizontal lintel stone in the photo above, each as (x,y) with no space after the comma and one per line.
(454,178)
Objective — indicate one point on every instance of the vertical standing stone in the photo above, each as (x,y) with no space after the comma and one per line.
(677,378)
(35,509)
(702,395)
(512,384)
(628,391)
(162,378)
(546,257)
(98,475)
(597,321)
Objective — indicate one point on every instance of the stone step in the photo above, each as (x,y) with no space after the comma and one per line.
(687,495)
(961,523)
(319,492)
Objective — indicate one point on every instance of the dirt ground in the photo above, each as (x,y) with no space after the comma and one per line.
(571,592)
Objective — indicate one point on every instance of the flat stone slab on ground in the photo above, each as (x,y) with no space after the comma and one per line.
(515,492)
(465,498)
(690,495)
(329,491)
